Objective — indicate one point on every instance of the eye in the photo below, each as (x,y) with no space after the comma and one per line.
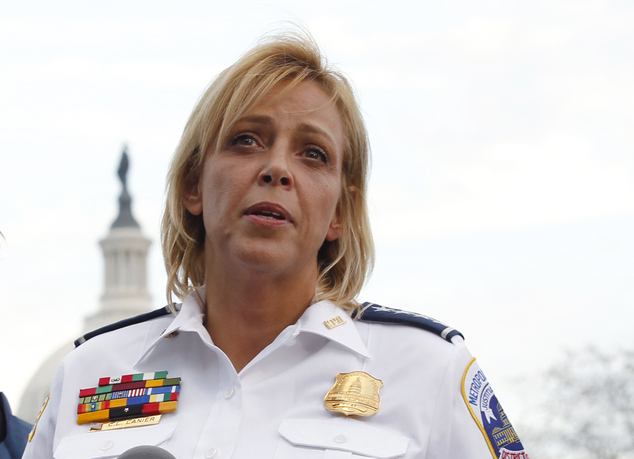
(244,139)
(315,153)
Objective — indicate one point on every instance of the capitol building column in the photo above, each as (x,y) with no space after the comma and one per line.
(125,251)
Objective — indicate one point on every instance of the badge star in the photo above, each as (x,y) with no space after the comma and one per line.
(423,316)
(409,313)
(415,314)
(488,413)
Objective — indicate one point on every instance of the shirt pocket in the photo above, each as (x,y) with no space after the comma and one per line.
(111,443)
(337,439)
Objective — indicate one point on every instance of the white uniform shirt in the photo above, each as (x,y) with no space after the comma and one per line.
(273,408)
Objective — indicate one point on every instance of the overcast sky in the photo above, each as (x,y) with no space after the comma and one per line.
(502,187)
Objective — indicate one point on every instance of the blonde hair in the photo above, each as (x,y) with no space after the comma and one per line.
(292,57)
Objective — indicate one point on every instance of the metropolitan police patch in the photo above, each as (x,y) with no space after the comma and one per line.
(489,415)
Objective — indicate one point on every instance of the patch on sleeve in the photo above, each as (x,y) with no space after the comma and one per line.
(32,434)
(489,415)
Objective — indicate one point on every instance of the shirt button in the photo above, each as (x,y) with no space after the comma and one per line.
(211,453)
(340,439)
(230,393)
(107,445)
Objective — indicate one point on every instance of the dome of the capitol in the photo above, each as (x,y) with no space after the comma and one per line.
(125,294)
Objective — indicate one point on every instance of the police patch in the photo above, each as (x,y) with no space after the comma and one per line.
(489,415)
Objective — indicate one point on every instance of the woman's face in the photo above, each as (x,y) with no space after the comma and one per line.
(269,195)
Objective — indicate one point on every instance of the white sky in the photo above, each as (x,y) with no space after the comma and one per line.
(502,189)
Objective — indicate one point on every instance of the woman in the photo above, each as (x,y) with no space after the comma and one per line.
(266,234)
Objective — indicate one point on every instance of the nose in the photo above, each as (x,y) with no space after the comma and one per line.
(275,171)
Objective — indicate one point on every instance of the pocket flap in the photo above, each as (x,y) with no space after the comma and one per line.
(344,435)
(112,443)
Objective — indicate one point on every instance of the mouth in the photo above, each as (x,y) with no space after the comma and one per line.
(269,211)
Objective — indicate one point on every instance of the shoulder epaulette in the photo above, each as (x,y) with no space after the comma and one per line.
(165,310)
(370,312)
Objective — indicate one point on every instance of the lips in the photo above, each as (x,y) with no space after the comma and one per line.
(268,210)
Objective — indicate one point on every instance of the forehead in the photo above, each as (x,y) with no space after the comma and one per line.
(305,106)
(289,95)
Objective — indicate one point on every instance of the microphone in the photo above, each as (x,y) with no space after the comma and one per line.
(146,452)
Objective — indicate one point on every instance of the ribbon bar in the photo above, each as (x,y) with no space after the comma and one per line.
(123,402)
(127,386)
(107,381)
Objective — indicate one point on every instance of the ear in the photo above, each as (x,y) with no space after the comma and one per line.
(193,198)
(336,224)
(336,227)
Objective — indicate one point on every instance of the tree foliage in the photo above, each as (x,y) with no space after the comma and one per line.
(584,408)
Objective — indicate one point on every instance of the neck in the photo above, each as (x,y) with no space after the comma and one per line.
(247,310)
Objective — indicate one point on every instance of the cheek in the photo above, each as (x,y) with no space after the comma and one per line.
(325,197)
(216,192)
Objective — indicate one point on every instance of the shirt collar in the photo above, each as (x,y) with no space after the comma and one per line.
(323,318)
(191,314)
(334,323)
(189,318)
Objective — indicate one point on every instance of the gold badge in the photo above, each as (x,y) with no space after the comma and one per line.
(354,394)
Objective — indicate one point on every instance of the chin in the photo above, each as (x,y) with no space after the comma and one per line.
(268,256)
(276,262)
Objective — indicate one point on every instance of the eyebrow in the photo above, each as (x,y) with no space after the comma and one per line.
(259,119)
(303,127)
(312,129)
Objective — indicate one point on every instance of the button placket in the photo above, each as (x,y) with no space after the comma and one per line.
(220,432)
